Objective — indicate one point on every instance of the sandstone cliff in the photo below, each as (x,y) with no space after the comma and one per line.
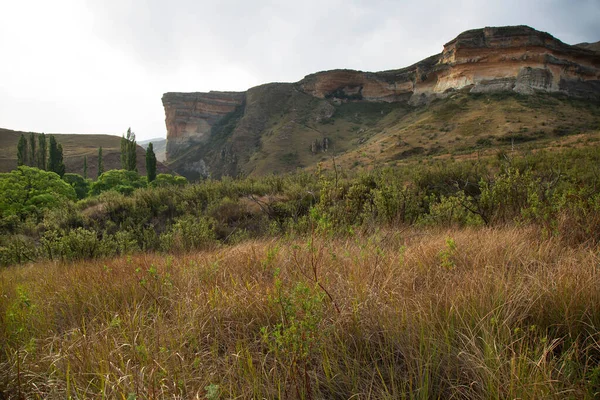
(220,133)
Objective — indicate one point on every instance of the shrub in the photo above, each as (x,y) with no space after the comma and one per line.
(28,192)
(119,180)
(189,233)
(77,182)
(17,249)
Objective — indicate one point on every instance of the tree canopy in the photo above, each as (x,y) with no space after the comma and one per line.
(29,191)
(120,180)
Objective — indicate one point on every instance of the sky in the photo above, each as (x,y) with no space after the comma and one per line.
(101,66)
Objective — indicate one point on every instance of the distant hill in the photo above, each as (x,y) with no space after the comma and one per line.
(590,46)
(75,148)
(159,145)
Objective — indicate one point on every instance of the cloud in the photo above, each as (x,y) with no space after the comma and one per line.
(102,66)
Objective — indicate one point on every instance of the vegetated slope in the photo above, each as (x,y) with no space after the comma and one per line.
(488,87)
(289,129)
(75,148)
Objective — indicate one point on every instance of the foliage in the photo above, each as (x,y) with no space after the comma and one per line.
(128,151)
(188,233)
(150,163)
(28,192)
(163,180)
(100,163)
(22,151)
(79,183)
(55,157)
(556,191)
(120,180)
(42,155)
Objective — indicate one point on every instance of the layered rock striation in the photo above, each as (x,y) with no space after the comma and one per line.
(494,59)
(190,116)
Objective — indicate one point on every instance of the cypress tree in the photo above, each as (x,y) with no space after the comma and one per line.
(124,152)
(84,167)
(61,164)
(42,150)
(55,157)
(100,163)
(150,163)
(32,153)
(128,151)
(22,151)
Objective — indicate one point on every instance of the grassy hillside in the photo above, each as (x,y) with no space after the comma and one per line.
(281,129)
(75,148)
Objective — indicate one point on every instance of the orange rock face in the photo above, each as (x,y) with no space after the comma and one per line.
(190,116)
(490,59)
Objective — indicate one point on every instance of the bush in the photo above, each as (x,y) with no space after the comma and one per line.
(79,183)
(164,180)
(28,192)
(189,233)
(119,180)
(17,249)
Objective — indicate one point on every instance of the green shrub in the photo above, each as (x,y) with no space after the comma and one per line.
(165,180)
(28,192)
(119,180)
(17,249)
(77,182)
(189,233)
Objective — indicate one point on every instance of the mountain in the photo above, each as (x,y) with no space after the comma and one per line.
(488,88)
(590,46)
(159,145)
(75,148)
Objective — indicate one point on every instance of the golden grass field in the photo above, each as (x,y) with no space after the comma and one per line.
(478,313)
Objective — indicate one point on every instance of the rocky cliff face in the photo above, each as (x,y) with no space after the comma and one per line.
(484,60)
(190,116)
(510,59)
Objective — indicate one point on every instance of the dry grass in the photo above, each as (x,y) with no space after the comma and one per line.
(491,313)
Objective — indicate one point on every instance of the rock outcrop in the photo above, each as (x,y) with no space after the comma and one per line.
(517,59)
(190,116)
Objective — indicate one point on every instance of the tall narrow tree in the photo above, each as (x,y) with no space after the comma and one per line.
(61,164)
(128,151)
(32,152)
(85,172)
(22,151)
(100,162)
(55,157)
(150,163)
(42,151)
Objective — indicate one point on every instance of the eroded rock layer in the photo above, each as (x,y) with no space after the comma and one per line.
(190,116)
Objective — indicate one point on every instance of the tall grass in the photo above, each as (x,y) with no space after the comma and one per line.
(472,313)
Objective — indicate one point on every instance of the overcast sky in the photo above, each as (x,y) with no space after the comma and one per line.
(100,66)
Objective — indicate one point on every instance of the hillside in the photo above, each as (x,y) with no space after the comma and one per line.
(490,89)
(75,148)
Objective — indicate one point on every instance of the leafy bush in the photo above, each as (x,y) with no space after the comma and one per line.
(119,180)
(79,183)
(189,233)
(28,192)
(164,180)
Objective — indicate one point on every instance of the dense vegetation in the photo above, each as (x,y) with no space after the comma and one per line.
(472,279)
(40,220)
